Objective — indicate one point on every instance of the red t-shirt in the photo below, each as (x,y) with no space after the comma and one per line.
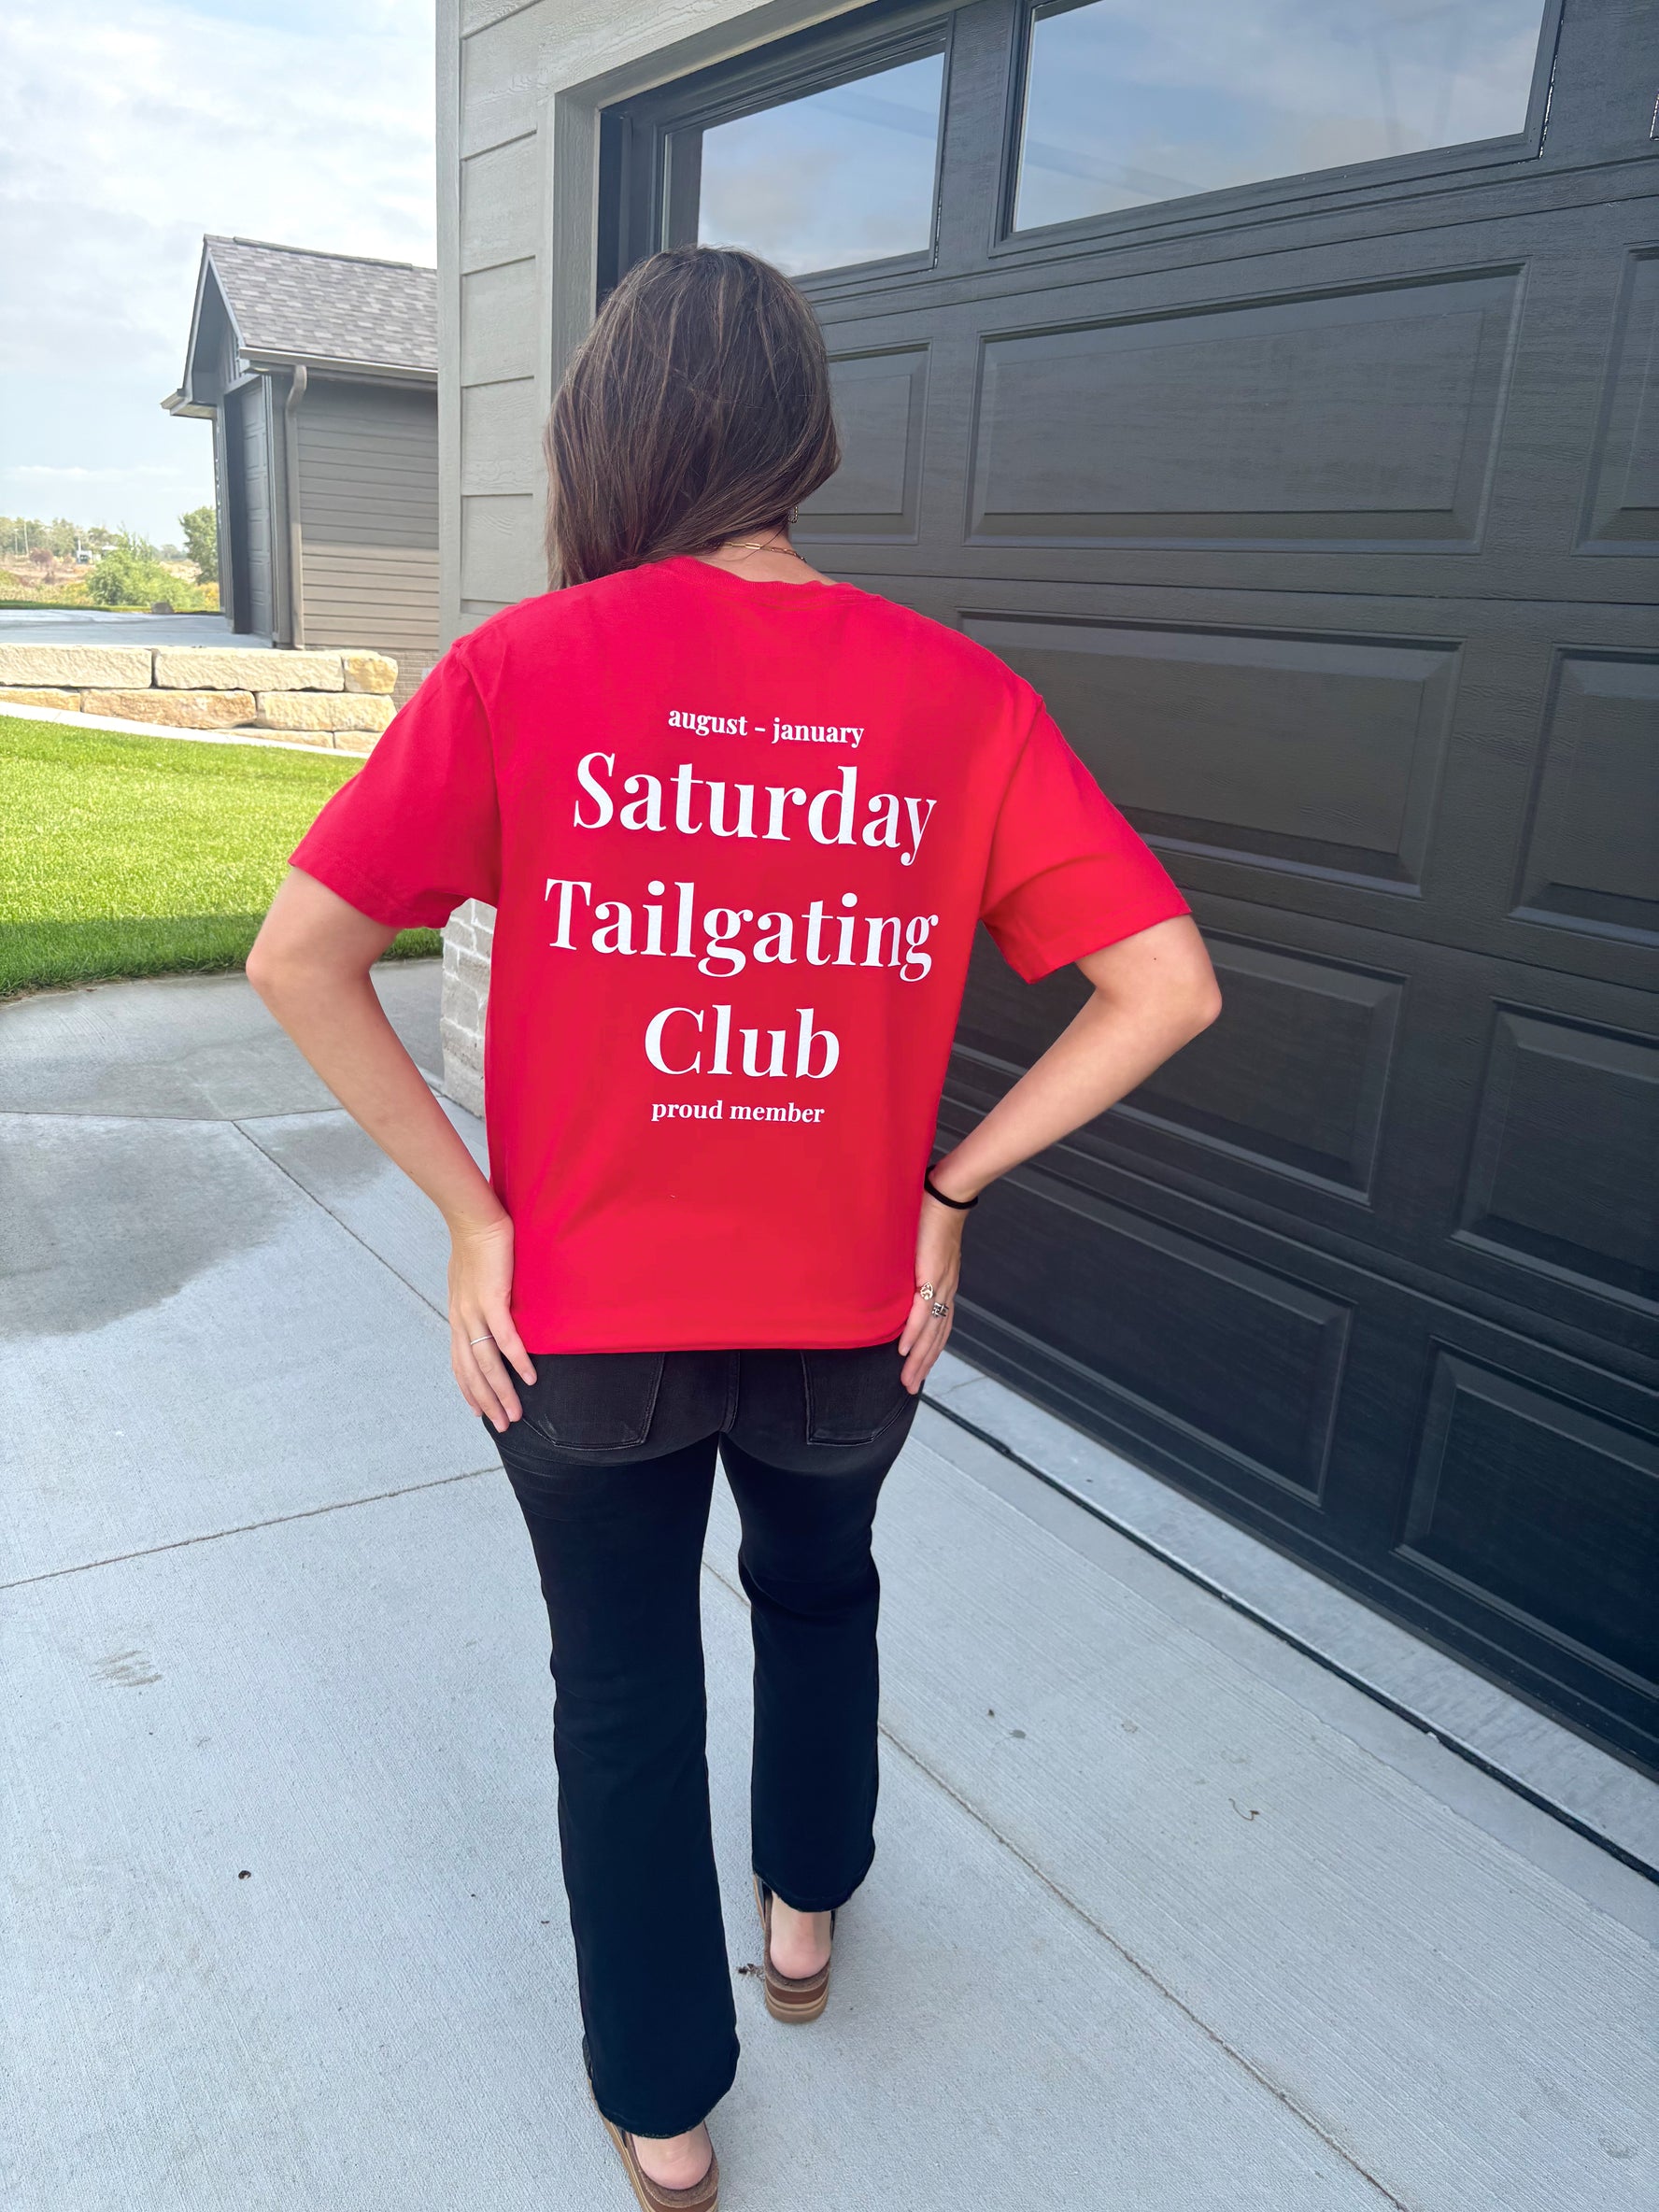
(737,836)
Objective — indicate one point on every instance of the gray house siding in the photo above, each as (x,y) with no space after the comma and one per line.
(319,372)
(368,482)
(519,98)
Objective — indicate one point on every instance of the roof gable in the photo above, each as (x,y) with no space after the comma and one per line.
(286,304)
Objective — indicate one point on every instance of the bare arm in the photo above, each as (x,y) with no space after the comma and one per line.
(1153,993)
(310,964)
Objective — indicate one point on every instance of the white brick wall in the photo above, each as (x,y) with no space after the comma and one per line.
(467,940)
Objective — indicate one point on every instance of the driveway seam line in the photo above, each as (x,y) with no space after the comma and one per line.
(1145,1972)
(1115,1943)
(323,1205)
(194,1121)
(214,1536)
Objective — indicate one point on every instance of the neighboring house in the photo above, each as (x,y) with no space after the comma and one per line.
(1323,508)
(319,372)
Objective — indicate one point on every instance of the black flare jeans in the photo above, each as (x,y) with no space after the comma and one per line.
(613,1466)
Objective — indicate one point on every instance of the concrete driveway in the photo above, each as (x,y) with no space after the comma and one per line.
(99,626)
(1162,1915)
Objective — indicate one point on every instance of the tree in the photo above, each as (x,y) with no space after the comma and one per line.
(21,533)
(201,535)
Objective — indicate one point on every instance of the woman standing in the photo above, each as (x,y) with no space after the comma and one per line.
(738,823)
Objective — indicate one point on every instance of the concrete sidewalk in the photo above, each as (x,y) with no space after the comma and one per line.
(1162,1916)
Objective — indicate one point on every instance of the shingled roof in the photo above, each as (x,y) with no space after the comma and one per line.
(289,305)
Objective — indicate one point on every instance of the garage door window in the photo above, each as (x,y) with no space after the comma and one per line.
(1132,101)
(841,175)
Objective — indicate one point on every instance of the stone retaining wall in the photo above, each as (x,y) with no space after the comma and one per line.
(339,700)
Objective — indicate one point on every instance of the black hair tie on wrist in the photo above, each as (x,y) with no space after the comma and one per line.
(956,1205)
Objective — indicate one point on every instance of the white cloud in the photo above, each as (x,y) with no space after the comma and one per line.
(128,130)
(39,473)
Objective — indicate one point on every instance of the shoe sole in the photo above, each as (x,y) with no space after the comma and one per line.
(791,2012)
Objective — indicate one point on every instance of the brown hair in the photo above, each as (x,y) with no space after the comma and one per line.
(696,408)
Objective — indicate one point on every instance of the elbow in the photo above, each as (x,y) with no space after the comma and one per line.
(262,967)
(1189,1011)
(271,970)
(1205,1007)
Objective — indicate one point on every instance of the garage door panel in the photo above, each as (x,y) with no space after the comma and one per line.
(1318,754)
(880,399)
(1316,1096)
(1622,508)
(1407,1106)
(1538,481)
(1295,1076)
(1543,1506)
(1591,854)
(1340,419)
(1536,1192)
(1298,1405)
(1260,1373)
(1460,722)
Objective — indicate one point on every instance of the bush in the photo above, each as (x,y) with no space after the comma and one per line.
(128,577)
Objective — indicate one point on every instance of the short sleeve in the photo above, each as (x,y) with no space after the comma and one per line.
(417,831)
(1067,875)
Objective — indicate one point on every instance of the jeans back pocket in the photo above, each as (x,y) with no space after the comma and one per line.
(853,1395)
(593,1401)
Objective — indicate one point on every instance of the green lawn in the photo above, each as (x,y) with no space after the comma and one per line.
(144,856)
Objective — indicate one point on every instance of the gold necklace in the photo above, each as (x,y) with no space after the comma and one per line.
(764,546)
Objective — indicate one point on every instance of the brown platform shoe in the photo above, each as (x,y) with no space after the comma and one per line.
(702,2196)
(789,1997)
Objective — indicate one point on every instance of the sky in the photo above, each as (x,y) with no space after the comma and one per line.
(127,129)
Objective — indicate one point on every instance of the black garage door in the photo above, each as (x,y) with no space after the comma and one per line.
(248,485)
(1323,508)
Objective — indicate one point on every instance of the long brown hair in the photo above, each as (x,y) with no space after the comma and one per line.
(696,408)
